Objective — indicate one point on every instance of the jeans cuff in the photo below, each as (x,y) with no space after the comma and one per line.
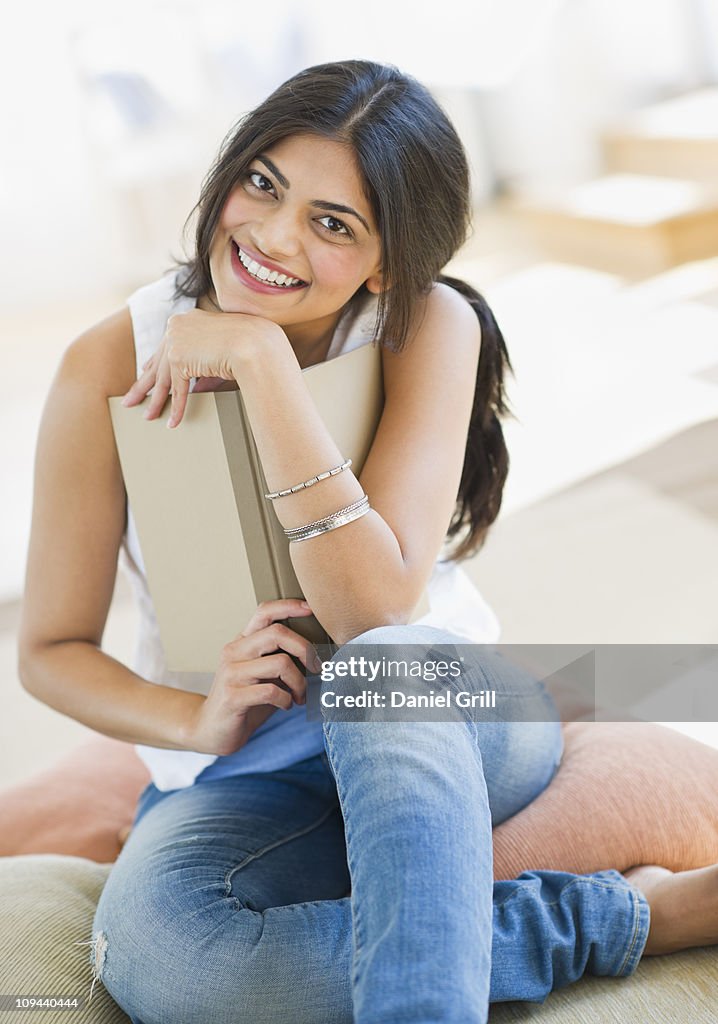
(638,929)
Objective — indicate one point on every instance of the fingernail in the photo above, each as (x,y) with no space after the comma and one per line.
(170,424)
(305,604)
(125,400)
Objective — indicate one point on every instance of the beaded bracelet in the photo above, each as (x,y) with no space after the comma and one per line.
(331,522)
(309,483)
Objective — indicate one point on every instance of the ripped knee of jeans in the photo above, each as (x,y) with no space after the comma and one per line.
(98,953)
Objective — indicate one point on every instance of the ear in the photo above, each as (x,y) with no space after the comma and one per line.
(376,283)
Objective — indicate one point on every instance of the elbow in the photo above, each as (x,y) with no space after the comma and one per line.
(28,660)
(357,626)
(26,651)
(24,668)
(386,614)
(354,605)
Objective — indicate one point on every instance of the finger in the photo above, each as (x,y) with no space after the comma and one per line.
(266,641)
(272,666)
(159,395)
(180,390)
(273,611)
(139,389)
(262,694)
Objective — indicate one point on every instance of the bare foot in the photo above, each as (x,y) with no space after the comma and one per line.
(684,907)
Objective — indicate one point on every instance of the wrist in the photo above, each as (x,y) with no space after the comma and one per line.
(266,341)
(186,714)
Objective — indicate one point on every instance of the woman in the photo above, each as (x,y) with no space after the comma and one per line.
(278,868)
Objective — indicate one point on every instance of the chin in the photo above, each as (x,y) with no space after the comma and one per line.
(235,305)
(230,303)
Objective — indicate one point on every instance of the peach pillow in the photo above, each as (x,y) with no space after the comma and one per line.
(626,793)
(78,806)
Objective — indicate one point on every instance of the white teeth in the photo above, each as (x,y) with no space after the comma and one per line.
(263,273)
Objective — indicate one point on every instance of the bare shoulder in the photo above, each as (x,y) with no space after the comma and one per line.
(103,357)
(445,333)
(443,296)
(447,310)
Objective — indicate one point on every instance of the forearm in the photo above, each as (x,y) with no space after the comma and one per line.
(353,576)
(81,681)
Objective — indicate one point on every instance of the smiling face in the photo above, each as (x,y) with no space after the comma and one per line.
(296,238)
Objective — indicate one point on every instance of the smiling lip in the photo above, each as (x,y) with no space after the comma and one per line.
(254,283)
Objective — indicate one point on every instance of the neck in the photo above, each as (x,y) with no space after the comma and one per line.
(309,352)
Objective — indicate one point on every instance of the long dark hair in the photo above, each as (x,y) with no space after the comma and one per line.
(417,181)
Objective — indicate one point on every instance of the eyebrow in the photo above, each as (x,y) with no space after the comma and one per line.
(319,204)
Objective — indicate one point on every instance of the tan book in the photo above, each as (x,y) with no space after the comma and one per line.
(211,542)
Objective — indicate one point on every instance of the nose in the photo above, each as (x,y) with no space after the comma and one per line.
(276,233)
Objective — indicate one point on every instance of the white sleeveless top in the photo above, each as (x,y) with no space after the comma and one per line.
(286,737)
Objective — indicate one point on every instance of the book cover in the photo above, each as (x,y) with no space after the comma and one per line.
(211,542)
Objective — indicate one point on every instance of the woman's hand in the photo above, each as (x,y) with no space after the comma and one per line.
(247,687)
(201,344)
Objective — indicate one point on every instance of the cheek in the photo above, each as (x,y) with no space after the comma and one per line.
(230,217)
(339,267)
(234,210)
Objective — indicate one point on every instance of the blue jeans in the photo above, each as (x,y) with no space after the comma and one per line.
(357,885)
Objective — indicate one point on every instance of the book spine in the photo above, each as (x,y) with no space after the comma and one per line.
(242,461)
(265,512)
(277,544)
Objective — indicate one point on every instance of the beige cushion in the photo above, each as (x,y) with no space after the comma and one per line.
(676,989)
(626,793)
(48,905)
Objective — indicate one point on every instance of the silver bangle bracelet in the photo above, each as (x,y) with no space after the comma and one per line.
(331,522)
(310,483)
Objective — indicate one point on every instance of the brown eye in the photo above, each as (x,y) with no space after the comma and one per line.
(334,226)
(259,181)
